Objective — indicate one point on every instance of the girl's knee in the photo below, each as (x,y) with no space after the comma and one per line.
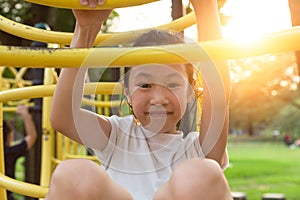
(198,167)
(74,169)
(82,174)
(197,177)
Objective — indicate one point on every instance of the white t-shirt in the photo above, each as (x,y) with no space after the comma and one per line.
(141,161)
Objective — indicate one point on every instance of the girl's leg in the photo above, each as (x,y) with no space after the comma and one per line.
(196,179)
(85,180)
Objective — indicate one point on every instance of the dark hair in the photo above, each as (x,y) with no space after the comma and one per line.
(7,129)
(157,37)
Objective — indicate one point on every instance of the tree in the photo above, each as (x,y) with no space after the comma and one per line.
(262,87)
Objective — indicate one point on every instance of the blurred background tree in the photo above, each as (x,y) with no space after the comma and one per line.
(265,94)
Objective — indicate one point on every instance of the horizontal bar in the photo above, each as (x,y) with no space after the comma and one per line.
(23,188)
(279,42)
(47,90)
(64,38)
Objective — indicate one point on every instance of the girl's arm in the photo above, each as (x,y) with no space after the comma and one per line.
(209,28)
(66,114)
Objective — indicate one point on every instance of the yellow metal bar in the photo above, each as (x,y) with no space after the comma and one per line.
(106,109)
(75,4)
(283,41)
(99,103)
(19,77)
(74,147)
(2,165)
(59,146)
(72,156)
(63,38)
(98,107)
(36,34)
(14,81)
(67,147)
(47,90)
(48,135)
(23,188)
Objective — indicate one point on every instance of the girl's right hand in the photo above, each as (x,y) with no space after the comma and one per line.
(88,18)
(91,18)
(92,3)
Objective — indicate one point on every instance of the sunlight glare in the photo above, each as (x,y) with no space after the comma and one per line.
(252,18)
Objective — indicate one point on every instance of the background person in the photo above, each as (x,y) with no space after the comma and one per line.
(13,152)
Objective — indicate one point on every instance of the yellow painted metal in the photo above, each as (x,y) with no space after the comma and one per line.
(23,188)
(2,165)
(59,147)
(48,134)
(72,156)
(75,4)
(106,109)
(36,34)
(283,41)
(101,103)
(16,83)
(63,38)
(47,90)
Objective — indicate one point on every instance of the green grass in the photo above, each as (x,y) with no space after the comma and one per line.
(20,175)
(264,167)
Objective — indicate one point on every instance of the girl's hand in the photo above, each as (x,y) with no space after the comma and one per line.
(90,18)
(92,3)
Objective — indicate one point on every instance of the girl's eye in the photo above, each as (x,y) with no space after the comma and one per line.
(144,85)
(173,85)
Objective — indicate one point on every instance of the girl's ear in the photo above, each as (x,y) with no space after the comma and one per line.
(190,94)
(126,93)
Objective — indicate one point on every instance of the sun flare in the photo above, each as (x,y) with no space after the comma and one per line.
(253,18)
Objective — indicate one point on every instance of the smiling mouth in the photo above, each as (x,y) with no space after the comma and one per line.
(158,113)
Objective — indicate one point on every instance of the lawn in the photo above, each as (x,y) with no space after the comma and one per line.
(258,167)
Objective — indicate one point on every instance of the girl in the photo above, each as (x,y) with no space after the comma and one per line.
(143,155)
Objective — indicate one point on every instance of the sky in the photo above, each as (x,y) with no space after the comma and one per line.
(249,18)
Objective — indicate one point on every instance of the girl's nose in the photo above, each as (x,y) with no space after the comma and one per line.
(159,95)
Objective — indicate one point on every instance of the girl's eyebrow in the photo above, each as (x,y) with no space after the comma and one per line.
(143,74)
(150,75)
(175,75)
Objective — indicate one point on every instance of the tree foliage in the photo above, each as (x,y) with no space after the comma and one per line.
(17,10)
(263,87)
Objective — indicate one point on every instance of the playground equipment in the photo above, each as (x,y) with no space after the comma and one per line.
(54,146)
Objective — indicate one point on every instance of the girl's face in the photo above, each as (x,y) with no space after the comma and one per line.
(159,95)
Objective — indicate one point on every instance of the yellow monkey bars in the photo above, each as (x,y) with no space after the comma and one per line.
(47,90)
(288,40)
(22,188)
(49,161)
(63,38)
